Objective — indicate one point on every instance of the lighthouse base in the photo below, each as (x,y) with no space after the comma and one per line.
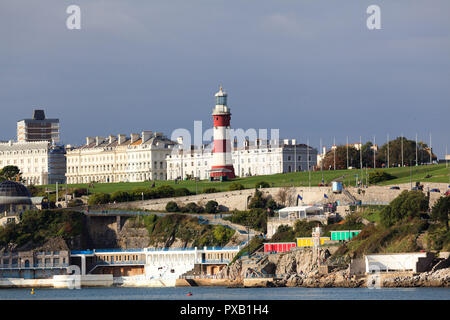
(222,173)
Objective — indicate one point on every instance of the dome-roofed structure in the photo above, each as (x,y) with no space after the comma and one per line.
(13,189)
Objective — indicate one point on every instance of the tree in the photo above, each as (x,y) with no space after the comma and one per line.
(341,158)
(409,152)
(441,210)
(258,200)
(9,173)
(409,204)
(286,195)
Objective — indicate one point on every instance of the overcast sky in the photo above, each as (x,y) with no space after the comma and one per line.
(308,67)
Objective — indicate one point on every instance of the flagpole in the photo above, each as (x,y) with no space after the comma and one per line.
(321,162)
(334,153)
(347,152)
(307,159)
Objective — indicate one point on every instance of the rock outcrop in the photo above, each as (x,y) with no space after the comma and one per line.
(439,278)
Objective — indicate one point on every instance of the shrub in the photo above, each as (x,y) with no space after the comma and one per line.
(139,193)
(181,192)
(164,191)
(212,206)
(80,192)
(210,190)
(379,176)
(192,207)
(284,234)
(74,203)
(256,218)
(272,205)
(262,184)
(120,196)
(254,244)
(99,198)
(222,235)
(235,186)
(172,206)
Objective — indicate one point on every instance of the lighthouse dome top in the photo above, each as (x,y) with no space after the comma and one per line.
(221,93)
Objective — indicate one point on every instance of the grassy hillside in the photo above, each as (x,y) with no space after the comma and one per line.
(437,173)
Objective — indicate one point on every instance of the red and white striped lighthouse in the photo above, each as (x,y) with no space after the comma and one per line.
(222,164)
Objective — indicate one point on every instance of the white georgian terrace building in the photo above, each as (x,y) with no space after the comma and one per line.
(119,158)
(39,162)
(249,160)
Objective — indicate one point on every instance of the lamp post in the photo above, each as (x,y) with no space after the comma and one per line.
(410,171)
(402,149)
(196,188)
(248,236)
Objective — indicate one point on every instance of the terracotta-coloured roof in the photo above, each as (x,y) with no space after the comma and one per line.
(136,143)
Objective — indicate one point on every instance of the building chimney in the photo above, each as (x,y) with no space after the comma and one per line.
(146,135)
(286,141)
(121,138)
(134,137)
(98,140)
(89,140)
(111,139)
(294,142)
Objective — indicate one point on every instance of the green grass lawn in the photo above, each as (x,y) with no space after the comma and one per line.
(438,173)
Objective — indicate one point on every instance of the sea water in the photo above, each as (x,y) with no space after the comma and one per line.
(224,293)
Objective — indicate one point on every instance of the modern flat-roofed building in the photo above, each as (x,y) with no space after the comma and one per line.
(38,128)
